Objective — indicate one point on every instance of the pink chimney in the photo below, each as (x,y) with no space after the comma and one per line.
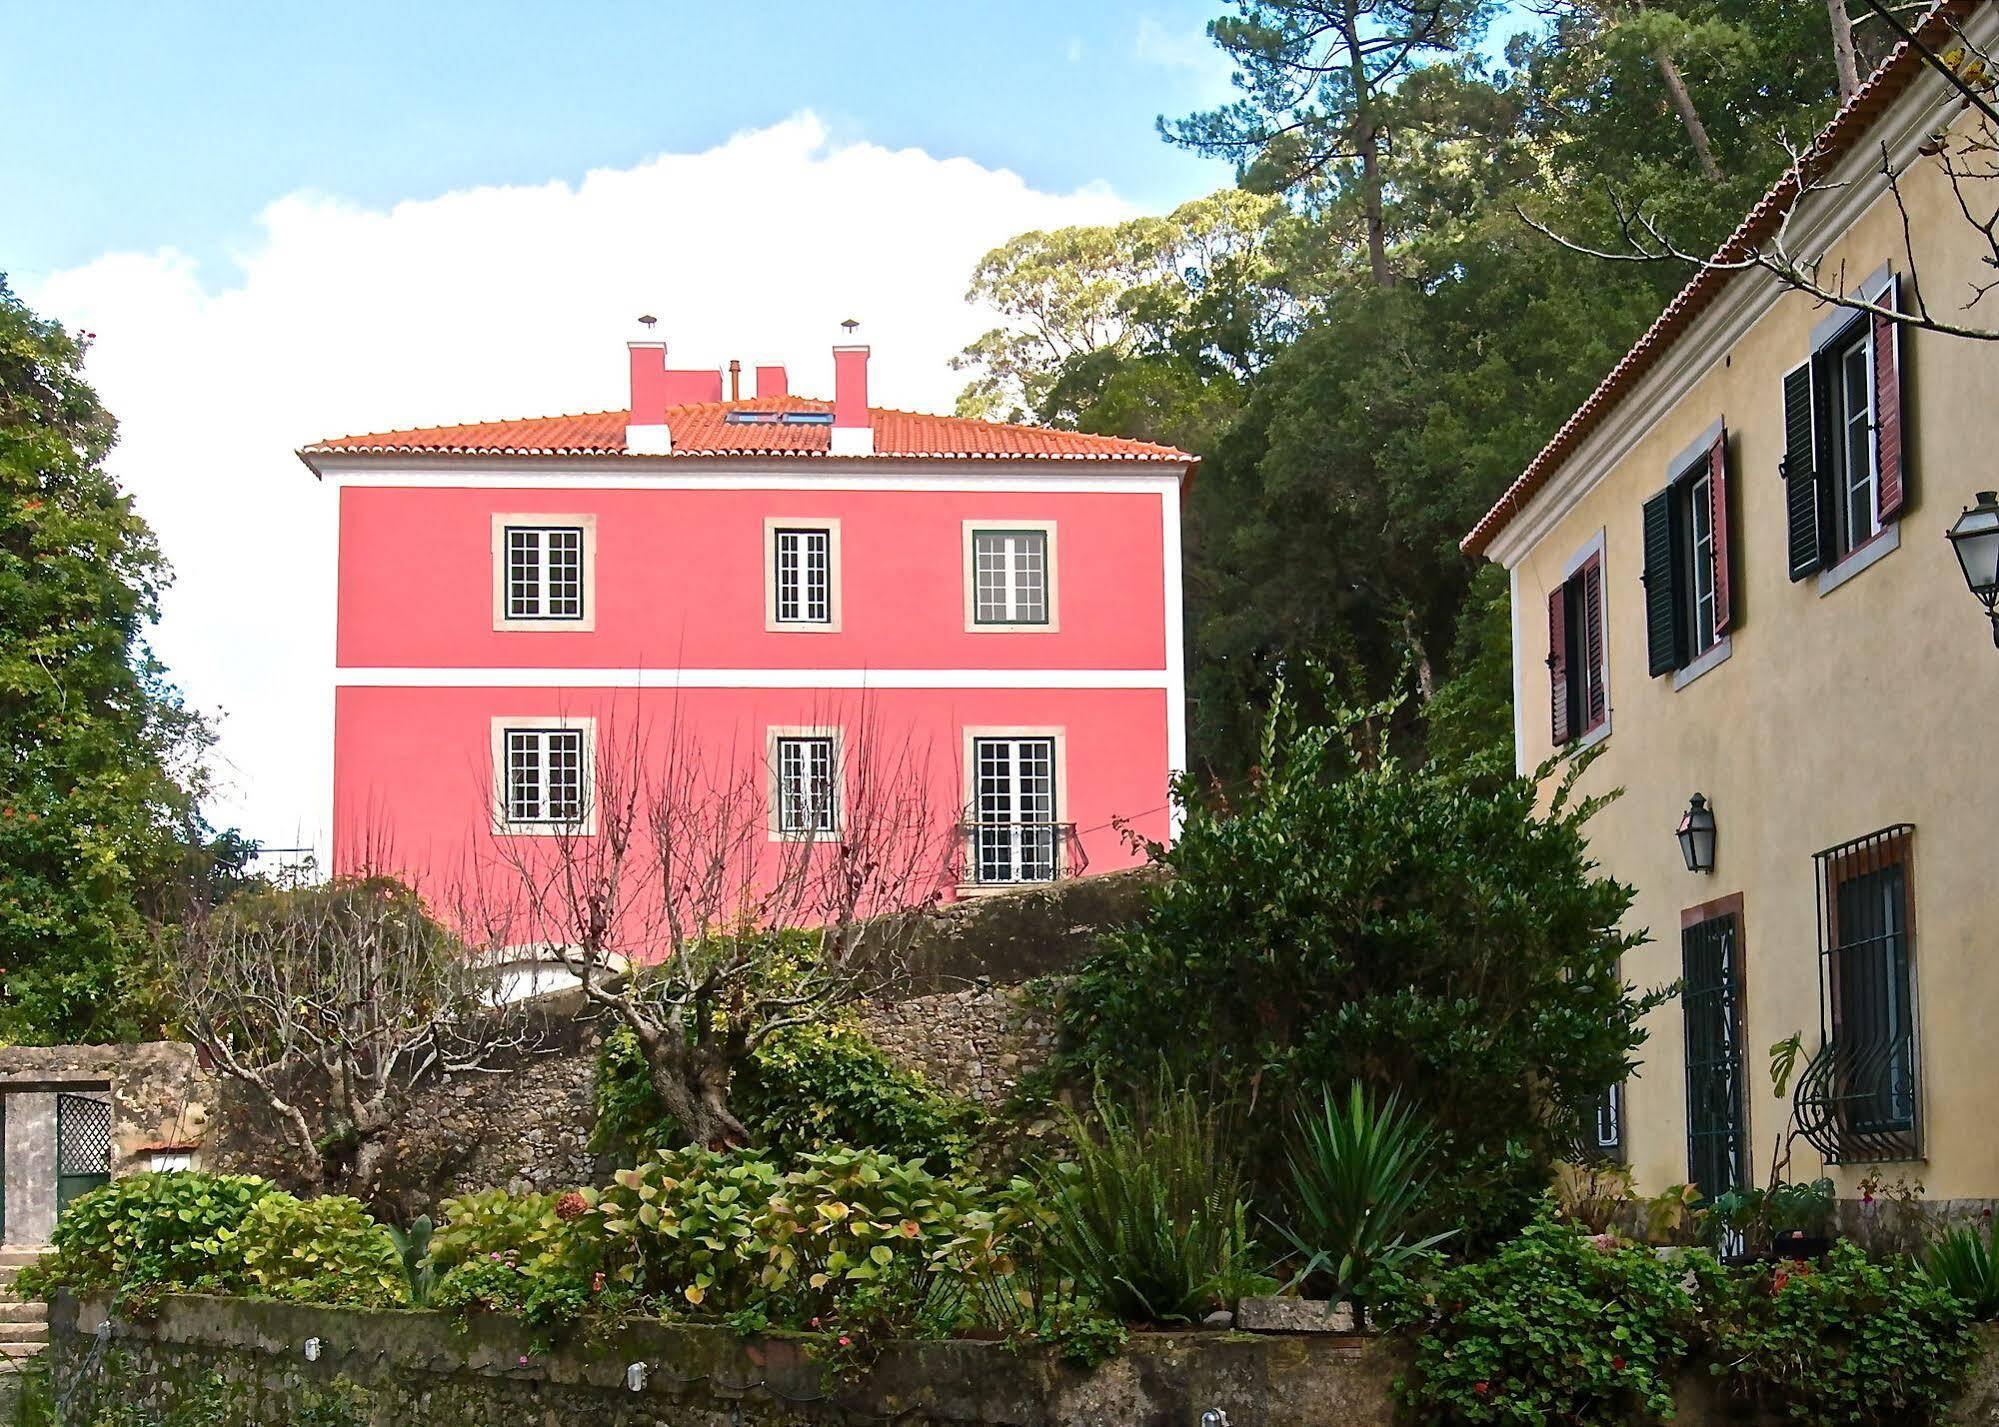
(853,432)
(772,381)
(655,388)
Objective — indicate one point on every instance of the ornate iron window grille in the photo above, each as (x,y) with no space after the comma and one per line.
(1859,1099)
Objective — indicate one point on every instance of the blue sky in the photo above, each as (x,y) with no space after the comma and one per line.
(284,222)
(175,123)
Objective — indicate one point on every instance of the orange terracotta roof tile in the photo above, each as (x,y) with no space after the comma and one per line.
(703,431)
(1887,84)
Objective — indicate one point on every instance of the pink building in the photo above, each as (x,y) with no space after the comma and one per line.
(522,604)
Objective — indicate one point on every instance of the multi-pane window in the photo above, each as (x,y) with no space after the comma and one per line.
(807,786)
(1860,1098)
(544,572)
(1014,834)
(1700,564)
(543,776)
(1686,558)
(1843,472)
(1010,576)
(803,575)
(1852,366)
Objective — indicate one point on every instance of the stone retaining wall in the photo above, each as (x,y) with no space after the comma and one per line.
(231,1363)
(228,1363)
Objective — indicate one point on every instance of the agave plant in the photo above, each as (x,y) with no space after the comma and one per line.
(413,1249)
(1961,1262)
(1150,1218)
(1358,1174)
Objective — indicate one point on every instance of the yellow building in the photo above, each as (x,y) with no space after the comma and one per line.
(1730,577)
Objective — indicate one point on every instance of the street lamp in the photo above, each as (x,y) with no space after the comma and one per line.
(1975,538)
(1697,835)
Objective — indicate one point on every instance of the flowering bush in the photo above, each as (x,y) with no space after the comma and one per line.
(1845,1341)
(546,1232)
(1557,1326)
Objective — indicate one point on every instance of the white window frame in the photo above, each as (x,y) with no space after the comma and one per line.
(503,618)
(1057,738)
(1853,538)
(1698,493)
(775,740)
(1050,576)
(773,525)
(504,821)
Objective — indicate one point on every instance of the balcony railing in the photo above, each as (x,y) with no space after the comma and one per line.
(1013,854)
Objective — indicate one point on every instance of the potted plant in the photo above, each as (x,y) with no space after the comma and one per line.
(1800,1218)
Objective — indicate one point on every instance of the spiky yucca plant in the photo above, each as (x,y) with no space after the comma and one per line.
(1358,1173)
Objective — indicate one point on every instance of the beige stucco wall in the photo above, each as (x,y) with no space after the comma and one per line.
(1834,716)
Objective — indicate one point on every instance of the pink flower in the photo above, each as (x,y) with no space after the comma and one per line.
(1481,1387)
(524,1359)
(845,1341)
(597,1282)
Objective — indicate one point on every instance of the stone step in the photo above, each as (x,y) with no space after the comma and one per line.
(18,1352)
(33,1311)
(14,1333)
(14,1255)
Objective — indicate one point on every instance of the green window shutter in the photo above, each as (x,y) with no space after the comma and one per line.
(1662,593)
(1801,475)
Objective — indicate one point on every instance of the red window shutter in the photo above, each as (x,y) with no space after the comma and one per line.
(1888,406)
(1717,485)
(1592,576)
(1558,664)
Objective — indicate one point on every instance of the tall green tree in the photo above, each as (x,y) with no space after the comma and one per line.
(99,758)
(1319,81)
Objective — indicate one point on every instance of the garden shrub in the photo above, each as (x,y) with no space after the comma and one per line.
(1347,917)
(1962,1261)
(721,1232)
(807,1088)
(327,1250)
(1843,1341)
(543,1231)
(1557,1326)
(1150,1218)
(147,1233)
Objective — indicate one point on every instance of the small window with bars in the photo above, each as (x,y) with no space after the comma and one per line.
(544,572)
(1015,837)
(543,777)
(1011,582)
(1860,1098)
(802,575)
(808,799)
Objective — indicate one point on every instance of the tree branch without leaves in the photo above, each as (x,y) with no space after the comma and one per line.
(1968,158)
(682,909)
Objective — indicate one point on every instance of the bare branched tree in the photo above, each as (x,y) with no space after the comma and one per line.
(333,1003)
(1966,154)
(708,900)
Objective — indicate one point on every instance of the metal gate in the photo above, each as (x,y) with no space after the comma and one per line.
(1712,997)
(83,1146)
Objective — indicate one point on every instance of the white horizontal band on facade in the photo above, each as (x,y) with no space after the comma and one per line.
(790,483)
(414,678)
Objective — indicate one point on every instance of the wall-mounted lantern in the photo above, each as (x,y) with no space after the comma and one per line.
(1975,538)
(1697,835)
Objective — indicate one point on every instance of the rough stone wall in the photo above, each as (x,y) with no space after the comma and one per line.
(975,1043)
(159,1093)
(235,1363)
(243,1363)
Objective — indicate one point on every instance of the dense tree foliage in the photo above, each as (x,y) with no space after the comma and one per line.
(99,760)
(1383,343)
(1350,918)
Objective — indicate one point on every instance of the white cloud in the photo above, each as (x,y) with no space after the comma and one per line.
(490,302)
